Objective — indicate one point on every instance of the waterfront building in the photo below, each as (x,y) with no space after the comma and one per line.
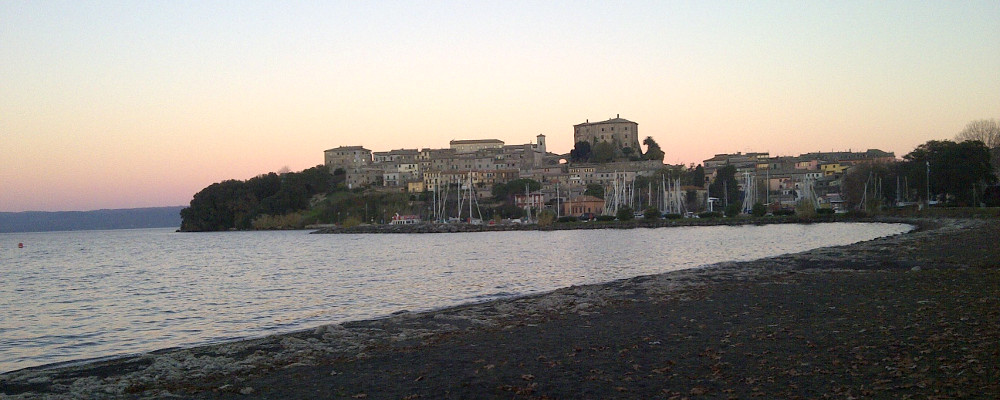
(580,205)
(405,219)
(533,200)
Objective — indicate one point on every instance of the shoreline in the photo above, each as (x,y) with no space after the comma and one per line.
(428,227)
(254,368)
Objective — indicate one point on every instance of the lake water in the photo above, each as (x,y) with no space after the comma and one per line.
(94,294)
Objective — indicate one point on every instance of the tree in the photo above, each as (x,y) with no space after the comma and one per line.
(625,214)
(984,130)
(732,210)
(218,207)
(725,187)
(694,176)
(580,152)
(546,218)
(758,210)
(958,171)
(653,151)
(295,191)
(602,152)
(651,213)
(805,209)
(693,202)
(595,190)
(988,132)
(862,182)
(507,210)
(235,204)
(506,191)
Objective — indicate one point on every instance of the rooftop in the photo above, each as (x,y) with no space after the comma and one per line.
(476,141)
(348,148)
(617,119)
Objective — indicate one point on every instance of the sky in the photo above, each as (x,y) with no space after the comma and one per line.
(124,104)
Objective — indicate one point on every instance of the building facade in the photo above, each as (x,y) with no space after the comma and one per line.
(581,205)
(347,157)
(472,146)
(618,131)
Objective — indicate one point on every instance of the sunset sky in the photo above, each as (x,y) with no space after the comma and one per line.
(144,103)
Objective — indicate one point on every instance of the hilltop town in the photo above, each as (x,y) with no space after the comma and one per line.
(607,159)
(609,174)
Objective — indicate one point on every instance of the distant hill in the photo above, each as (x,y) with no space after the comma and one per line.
(132,218)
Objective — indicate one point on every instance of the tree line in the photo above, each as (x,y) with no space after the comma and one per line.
(943,171)
(605,152)
(235,204)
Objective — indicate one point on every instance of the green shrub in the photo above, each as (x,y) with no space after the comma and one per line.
(824,211)
(857,213)
(605,218)
(351,222)
(711,214)
(625,214)
(758,210)
(805,209)
(673,216)
(287,221)
(651,213)
(567,219)
(783,212)
(732,210)
(546,218)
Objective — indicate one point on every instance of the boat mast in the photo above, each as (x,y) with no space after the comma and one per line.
(470,196)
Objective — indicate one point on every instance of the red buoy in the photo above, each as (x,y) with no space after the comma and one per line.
(20,245)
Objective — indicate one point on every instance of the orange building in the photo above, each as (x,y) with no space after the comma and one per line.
(580,205)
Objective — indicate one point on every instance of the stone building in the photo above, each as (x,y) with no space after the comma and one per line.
(347,157)
(472,146)
(618,131)
(356,161)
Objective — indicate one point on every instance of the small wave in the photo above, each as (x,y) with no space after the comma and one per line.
(492,296)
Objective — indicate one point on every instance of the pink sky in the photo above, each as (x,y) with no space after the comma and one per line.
(107,106)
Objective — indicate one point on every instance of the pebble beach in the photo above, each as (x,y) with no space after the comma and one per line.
(915,315)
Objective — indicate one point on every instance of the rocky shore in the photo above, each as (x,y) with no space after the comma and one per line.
(910,316)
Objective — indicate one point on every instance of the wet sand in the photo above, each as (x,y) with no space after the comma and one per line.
(911,316)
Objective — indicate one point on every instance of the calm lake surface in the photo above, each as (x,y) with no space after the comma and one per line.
(95,294)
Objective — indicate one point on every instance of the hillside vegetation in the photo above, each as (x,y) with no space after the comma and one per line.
(289,201)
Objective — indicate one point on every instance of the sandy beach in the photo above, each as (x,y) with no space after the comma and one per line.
(915,315)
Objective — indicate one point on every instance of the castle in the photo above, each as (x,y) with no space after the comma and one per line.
(622,133)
